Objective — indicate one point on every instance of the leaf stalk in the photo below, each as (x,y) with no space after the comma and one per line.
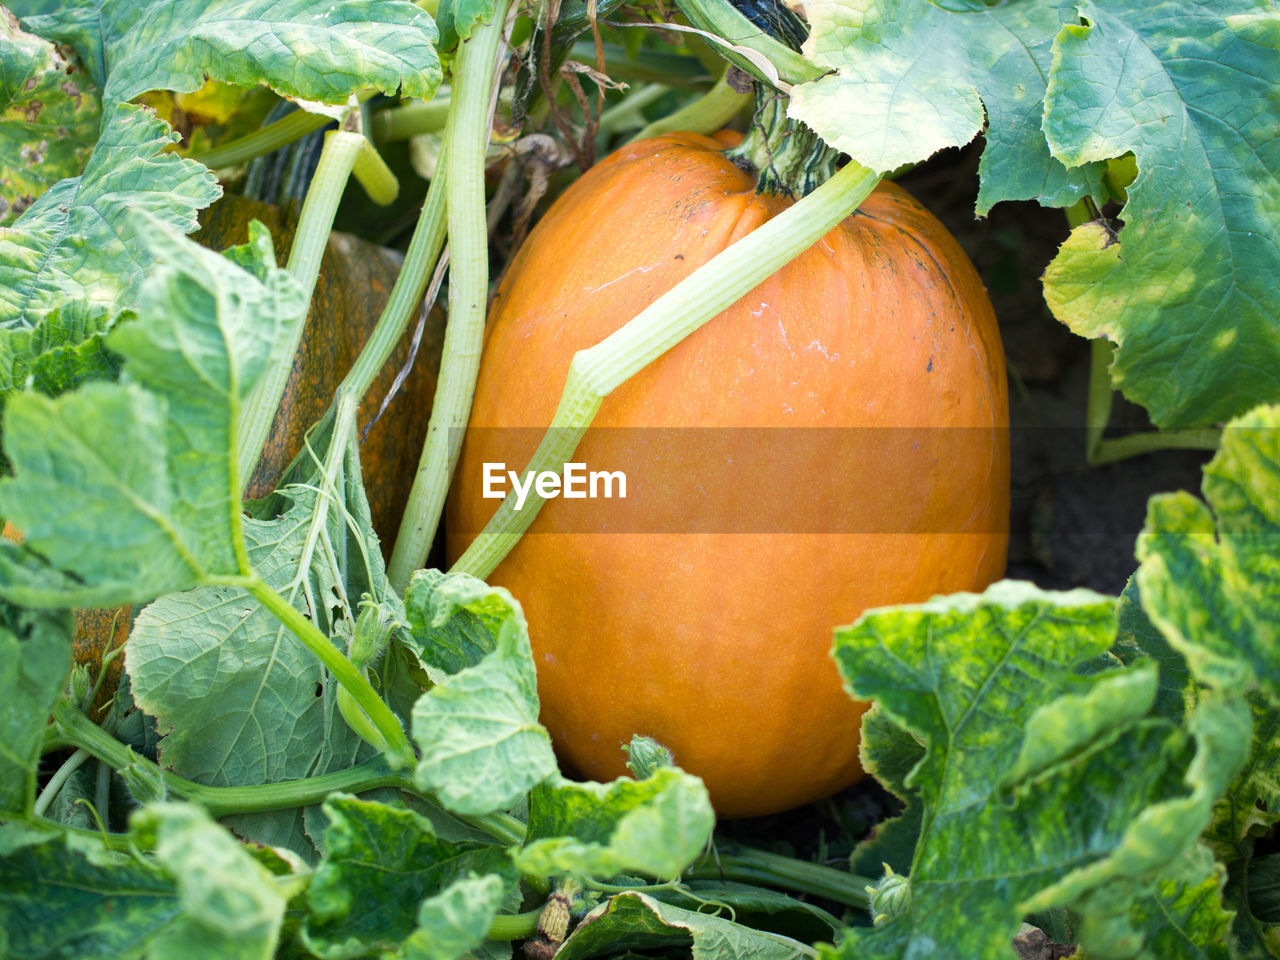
(467,136)
(596,372)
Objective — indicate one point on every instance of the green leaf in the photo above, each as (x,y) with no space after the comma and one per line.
(231,908)
(635,922)
(72,263)
(299,49)
(35,654)
(1188,292)
(381,863)
(482,746)
(201,897)
(655,827)
(244,701)
(1251,804)
(1183,920)
(1209,575)
(453,923)
(1138,638)
(49,115)
(892,100)
(1264,888)
(68,897)
(889,753)
(1111,893)
(458,18)
(1042,783)
(150,464)
(450,631)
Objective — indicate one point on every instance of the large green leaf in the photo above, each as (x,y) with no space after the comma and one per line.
(381,863)
(202,896)
(889,753)
(1189,293)
(72,263)
(68,897)
(1043,782)
(231,908)
(655,827)
(322,52)
(892,99)
(1251,804)
(149,464)
(453,923)
(49,115)
(244,700)
(482,746)
(1209,576)
(35,652)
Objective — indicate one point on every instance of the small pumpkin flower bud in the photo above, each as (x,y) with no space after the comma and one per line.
(646,756)
(373,627)
(79,685)
(890,898)
(145,782)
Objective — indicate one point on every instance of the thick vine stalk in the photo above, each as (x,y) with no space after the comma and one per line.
(705,115)
(309,242)
(467,136)
(596,372)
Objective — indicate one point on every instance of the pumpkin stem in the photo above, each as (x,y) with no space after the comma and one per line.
(787,157)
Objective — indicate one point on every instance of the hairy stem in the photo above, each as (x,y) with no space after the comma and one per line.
(309,242)
(467,136)
(406,295)
(399,751)
(785,873)
(705,115)
(516,926)
(292,126)
(224,801)
(411,119)
(373,774)
(58,780)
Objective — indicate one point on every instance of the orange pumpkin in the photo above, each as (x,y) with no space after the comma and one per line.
(703,621)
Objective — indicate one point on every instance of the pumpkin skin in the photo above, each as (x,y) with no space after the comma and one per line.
(716,644)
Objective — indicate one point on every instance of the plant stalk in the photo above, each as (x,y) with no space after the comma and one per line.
(705,115)
(514,926)
(399,751)
(292,126)
(58,780)
(467,135)
(225,801)
(596,372)
(411,283)
(373,774)
(785,873)
(309,243)
(401,123)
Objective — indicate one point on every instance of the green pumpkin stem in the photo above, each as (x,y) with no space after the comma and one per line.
(787,157)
